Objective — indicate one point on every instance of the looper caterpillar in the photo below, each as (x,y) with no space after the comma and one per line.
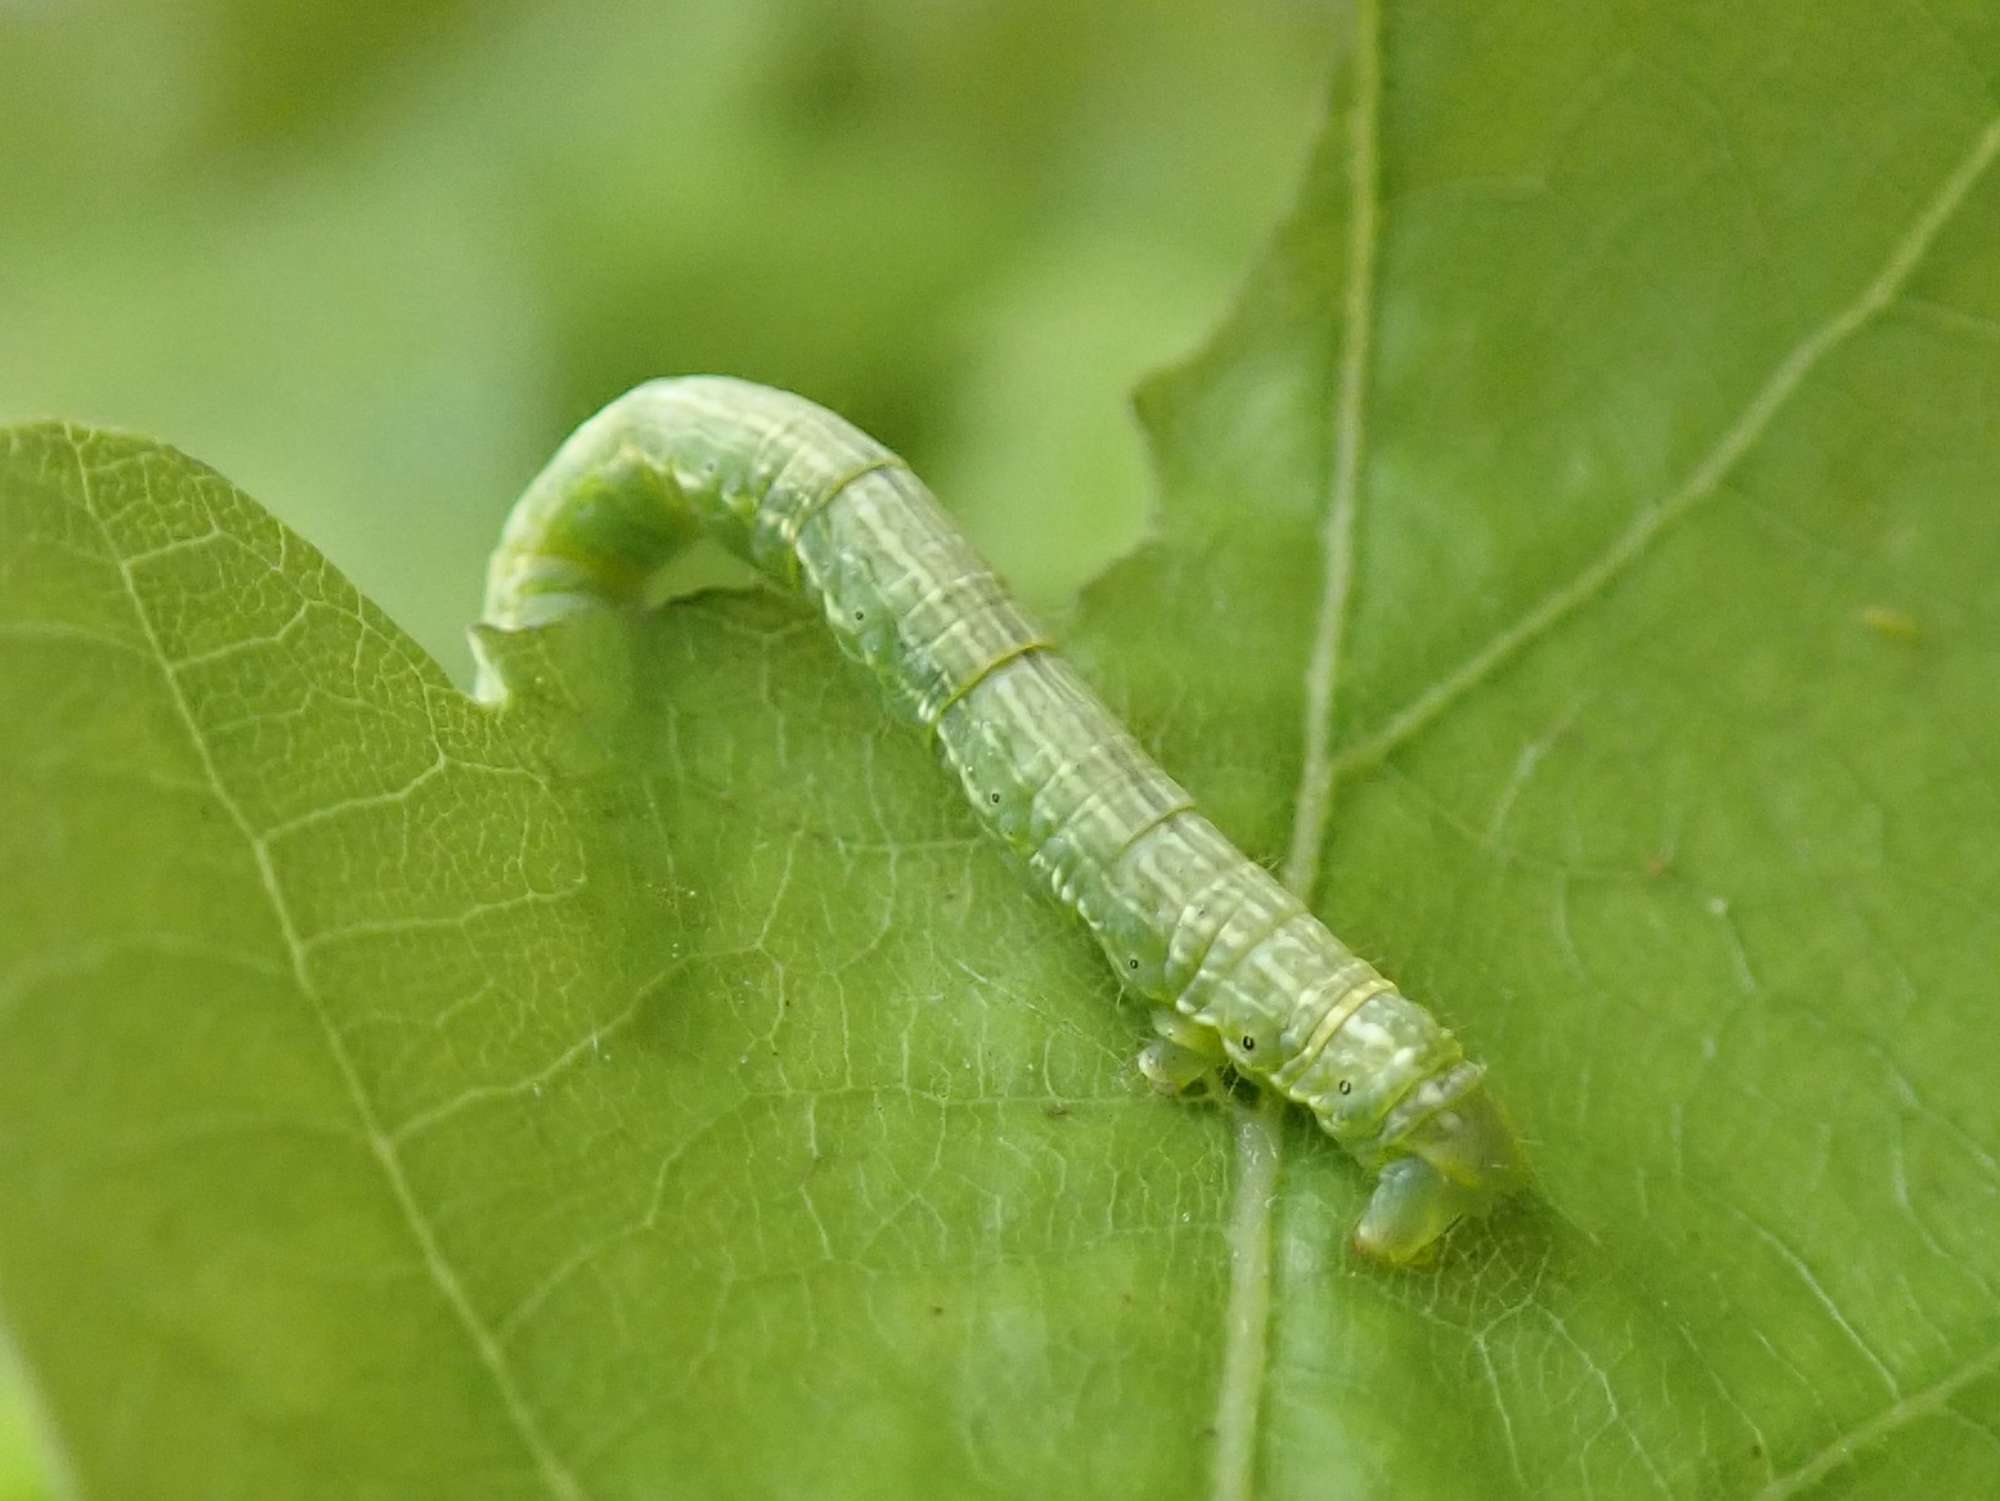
(1238,970)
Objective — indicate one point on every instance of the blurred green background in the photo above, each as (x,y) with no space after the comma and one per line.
(374,260)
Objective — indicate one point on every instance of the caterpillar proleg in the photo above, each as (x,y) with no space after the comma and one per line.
(1239,971)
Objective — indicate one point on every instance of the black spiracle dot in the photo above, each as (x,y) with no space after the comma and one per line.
(1249,1043)
(993,798)
(1132,963)
(860,615)
(1347,1086)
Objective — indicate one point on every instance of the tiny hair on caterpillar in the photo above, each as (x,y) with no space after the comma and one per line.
(1237,969)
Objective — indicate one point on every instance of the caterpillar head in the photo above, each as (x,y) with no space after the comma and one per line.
(1458,1161)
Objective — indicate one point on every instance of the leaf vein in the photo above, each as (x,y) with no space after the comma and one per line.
(1932,1400)
(1701,484)
(556,1476)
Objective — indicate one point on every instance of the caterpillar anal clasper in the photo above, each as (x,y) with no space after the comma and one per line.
(1239,971)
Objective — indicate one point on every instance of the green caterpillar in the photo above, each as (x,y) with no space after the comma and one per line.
(1239,971)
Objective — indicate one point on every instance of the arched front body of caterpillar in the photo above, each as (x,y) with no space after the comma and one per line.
(1237,967)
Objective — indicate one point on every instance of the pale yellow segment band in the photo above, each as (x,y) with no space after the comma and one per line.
(1294,1068)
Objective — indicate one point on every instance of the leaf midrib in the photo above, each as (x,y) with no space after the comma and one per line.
(1259,1138)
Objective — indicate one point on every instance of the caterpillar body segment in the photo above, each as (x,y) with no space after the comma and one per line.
(1240,970)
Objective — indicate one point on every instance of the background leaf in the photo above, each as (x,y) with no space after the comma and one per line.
(563,1102)
(376,260)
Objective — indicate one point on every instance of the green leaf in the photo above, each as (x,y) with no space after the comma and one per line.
(22,1471)
(410,1099)
(1611,439)
(1573,568)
